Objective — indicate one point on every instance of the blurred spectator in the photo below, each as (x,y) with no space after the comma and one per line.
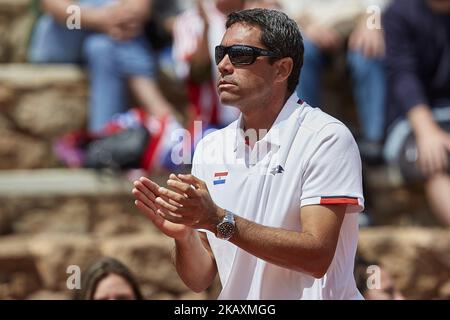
(159,31)
(131,140)
(386,290)
(328,27)
(196,33)
(418,61)
(108,279)
(112,44)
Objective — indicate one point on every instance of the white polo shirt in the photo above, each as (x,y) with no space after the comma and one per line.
(306,158)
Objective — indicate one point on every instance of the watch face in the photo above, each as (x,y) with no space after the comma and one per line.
(225,230)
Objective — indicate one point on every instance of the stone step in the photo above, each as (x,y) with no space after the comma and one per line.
(30,264)
(37,104)
(24,76)
(62,182)
(417,258)
(38,201)
(16,20)
(69,201)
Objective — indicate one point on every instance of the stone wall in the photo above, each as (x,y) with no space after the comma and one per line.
(43,236)
(417,258)
(80,215)
(37,104)
(16,21)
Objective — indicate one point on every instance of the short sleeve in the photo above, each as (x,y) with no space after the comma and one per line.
(332,174)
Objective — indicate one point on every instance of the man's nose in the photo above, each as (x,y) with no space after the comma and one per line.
(225,66)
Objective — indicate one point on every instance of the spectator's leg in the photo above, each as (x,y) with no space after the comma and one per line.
(310,78)
(135,59)
(369,89)
(108,86)
(52,42)
(438,191)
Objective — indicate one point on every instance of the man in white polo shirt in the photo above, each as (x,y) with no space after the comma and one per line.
(273,200)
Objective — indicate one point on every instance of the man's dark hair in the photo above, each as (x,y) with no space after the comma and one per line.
(279,34)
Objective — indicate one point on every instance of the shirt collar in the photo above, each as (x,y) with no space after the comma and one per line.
(275,133)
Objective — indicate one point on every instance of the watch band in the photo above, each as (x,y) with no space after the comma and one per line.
(229,216)
(227,227)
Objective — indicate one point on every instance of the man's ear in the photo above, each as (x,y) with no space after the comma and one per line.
(284,69)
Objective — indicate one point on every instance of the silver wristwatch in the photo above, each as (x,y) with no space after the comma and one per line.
(226,228)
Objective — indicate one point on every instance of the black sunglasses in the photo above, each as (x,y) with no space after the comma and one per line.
(241,55)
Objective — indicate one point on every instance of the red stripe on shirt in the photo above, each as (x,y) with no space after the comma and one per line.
(220,174)
(342,200)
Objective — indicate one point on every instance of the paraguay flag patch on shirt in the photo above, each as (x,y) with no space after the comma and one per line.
(220,178)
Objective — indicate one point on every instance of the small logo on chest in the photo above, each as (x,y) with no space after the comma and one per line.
(277,170)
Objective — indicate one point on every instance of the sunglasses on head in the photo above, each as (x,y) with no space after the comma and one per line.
(241,55)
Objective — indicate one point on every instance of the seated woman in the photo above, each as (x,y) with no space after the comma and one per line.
(108,279)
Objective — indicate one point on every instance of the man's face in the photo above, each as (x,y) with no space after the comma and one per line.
(248,85)
(439,6)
